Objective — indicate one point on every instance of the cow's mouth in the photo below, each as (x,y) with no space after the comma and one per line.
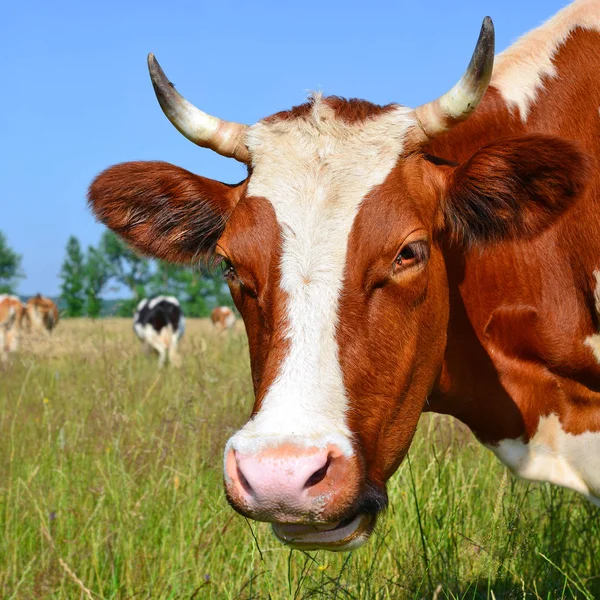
(339,536)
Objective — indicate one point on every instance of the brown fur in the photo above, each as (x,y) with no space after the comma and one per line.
(11,317)
(219,316)
(490,329)
(253,232)
(40,315)
(522,309)
(163,210)
(514,188)
(349,111)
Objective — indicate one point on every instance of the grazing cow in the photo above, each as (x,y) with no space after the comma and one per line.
(222,318)
(41,314)
(11,317)
(389,260)
(159,324)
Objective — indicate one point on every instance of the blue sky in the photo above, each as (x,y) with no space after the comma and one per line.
(76,96)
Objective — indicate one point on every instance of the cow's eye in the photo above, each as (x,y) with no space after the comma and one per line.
(228,269)
(412,254)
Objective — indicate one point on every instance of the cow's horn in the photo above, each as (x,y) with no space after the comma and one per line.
(224,137)
(457,105)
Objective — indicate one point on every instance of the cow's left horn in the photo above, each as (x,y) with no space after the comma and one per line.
(224,137)
(457,105)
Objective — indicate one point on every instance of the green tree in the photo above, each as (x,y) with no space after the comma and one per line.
(216,288)
(126,267)
(97,275)
(10,267)
(72,274)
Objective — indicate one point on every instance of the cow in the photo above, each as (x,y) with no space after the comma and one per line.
(41,315)
(222,318)
(388,261)
(11,317)
(159,323)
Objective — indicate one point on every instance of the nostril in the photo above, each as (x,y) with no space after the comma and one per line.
(242,479)
(318,475)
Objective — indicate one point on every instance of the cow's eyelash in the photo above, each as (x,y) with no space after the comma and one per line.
(413,253)
(228,270)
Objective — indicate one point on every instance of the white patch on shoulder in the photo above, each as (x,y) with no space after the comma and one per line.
(315,171)
(553,455)
(520,70)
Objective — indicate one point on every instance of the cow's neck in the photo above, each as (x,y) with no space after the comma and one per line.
(525,314)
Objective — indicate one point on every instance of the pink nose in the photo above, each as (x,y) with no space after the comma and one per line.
(290,483)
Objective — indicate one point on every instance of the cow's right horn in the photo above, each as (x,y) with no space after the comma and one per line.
(225,137)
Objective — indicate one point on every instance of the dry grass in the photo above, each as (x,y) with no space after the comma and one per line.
(110,487)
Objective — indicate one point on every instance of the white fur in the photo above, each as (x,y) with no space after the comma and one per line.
(519,71)
(159,299)
(165,341)
(35,316)
(553,455)
(156,340)
(315,172)
(230,320)
(5,328)
(141,305)
(593,341)
(9,328)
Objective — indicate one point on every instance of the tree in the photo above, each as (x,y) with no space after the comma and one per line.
(126,267)
(97,275)
(198,290)
(72,274)
(10,267)
(216,288)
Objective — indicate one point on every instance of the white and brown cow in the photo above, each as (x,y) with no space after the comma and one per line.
(387,261)
(159,324)
(11,319)
(41,315)
(222,318)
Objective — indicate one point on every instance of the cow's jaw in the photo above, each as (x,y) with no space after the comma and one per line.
(339,536)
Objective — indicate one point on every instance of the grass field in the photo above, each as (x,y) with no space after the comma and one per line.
(111,487)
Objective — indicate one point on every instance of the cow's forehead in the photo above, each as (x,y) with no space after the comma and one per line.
(316,167)
(320,154)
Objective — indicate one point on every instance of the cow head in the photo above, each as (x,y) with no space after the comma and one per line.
(332,249)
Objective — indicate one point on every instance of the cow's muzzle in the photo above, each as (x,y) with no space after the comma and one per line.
(315,496)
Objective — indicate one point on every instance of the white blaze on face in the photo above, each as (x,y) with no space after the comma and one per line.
(315,171)
(556,456)
(520,71)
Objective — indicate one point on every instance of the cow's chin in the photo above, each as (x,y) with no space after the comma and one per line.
(340,536)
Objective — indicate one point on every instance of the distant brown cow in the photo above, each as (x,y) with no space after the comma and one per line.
(222,318)
(41,314)
(11,316)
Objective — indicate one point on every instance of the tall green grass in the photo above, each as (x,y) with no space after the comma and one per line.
(111,487)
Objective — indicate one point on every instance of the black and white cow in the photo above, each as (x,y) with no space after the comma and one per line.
(159,324)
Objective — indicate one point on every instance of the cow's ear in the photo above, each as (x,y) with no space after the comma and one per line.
(162,210)
(513,187)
